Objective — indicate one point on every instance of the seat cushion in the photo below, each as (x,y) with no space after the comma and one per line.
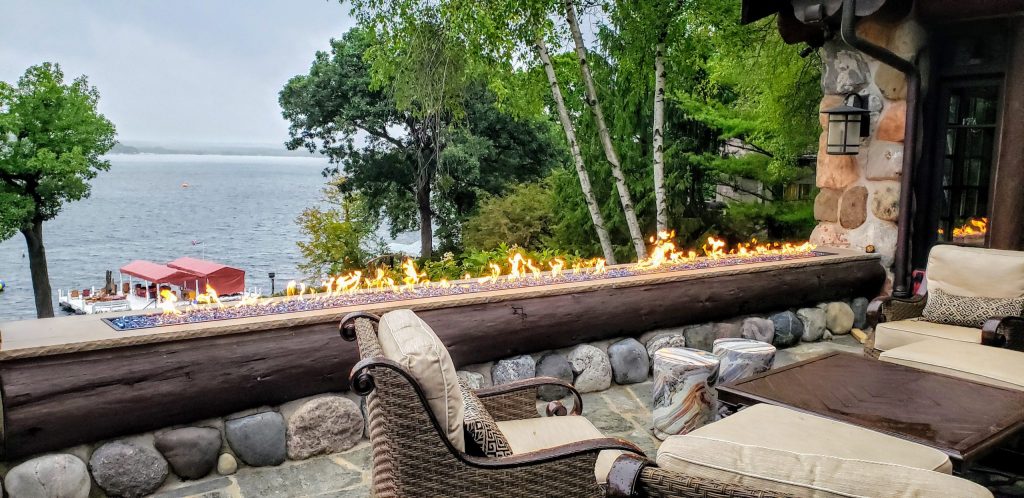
(532,434)
(890,335)
(975,271)
(410,342)
(774,427)
(984,364)
(805,474)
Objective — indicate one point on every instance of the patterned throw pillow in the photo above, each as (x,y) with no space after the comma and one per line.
(481,428)
(968,311)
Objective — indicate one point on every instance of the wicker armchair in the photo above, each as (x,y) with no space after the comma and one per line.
(412,456)
(956,270)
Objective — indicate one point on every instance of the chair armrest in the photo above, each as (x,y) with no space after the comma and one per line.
(631,476)
(1004,332)
(518,400)
(892,309)
(545,455)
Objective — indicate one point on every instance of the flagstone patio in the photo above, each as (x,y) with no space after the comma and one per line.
(621,411)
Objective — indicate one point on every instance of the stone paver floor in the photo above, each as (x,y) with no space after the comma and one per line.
(621,411)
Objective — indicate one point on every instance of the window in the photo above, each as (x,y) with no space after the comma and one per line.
(971,110)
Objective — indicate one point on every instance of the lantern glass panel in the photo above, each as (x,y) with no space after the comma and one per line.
(836,134)
(853,133)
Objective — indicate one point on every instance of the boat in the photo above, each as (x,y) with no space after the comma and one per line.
(154,286)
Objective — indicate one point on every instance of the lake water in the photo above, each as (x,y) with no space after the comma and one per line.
(239,210)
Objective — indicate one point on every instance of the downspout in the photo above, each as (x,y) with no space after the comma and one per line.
(887,57)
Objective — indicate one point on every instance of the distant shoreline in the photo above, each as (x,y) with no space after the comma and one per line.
(210,150)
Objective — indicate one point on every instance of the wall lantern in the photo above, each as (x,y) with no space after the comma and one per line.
(847,123)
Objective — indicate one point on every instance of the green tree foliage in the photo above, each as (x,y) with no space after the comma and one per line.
(523,217)
(52,139)
(341,234)
(412,167)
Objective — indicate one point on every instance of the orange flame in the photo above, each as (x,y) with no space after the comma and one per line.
(664,252)
(973,228)
(208,297)
(169,303)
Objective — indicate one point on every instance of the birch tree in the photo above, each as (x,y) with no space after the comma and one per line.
(635,234)
(574,148)
(658,135)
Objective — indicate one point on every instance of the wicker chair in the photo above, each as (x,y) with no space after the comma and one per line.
(974,270)
(412,456)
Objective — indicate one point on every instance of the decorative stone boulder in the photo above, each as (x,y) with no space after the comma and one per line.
(788,329)
(192,451)
(885,200)
(259,440)
(853,207)
(700,337)
(814,323)
(226,464)
(473,380)
(839,318)
(731,329)
(835,172)
(826,205)
(664,341)
(557,366)
(845,69)
(892,124)
(592,369)
(758,329)
(859,306)
(513,369)
(49,476)
(128,469)
(327,424)
(629,360)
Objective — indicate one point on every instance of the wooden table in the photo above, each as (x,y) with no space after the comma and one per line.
(961,418)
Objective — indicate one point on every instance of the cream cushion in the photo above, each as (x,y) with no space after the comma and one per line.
(984,364)
(806,474)
(889,335)
(529,435)
(976,271)
(410,342)
(777,428)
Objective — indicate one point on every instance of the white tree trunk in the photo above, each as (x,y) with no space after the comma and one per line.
(602,129)
(577,157)
(658,140)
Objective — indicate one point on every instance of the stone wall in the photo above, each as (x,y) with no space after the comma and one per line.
(858,203)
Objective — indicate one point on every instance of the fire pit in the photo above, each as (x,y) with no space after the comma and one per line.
(355,290)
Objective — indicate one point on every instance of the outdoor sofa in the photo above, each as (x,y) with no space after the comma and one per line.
(418,415)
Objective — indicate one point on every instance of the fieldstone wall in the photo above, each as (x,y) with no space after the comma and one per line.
(331,423)
(858,203)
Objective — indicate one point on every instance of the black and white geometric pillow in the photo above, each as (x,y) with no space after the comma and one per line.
(967,311)
(480,426)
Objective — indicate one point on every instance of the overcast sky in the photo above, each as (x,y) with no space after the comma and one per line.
(176,71)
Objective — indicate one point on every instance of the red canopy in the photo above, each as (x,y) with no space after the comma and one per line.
(157,273)
(225,279)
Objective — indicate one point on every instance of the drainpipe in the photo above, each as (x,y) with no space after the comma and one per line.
(887,57)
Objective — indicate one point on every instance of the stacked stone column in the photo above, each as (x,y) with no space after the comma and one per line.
(858,204)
